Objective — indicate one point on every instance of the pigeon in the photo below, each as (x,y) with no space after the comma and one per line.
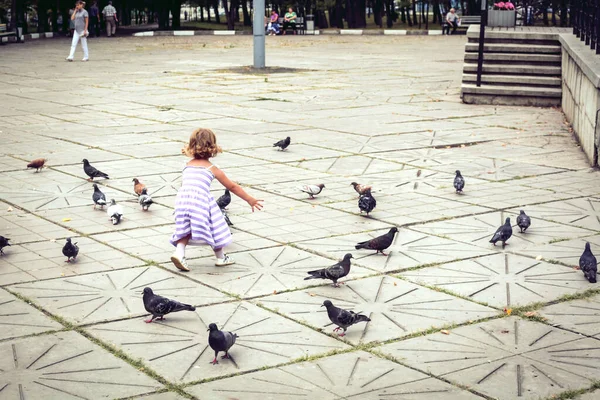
(335,272)
(312,190)
(343,318)
(3,243)
(138,186)
(98,197)
(160,306)
(283,144)
(224,200)
(38,164)
(92,172)
(367,202)
(459,182)
(115,212)
(503,233)
(379,243)
(523,221)
(220,341)
(588,264)
(145,200)
(360,189)
(226,217)
(70,250)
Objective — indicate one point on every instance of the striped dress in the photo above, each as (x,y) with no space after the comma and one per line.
(197,212)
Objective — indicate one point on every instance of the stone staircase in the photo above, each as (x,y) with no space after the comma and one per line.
(519,68)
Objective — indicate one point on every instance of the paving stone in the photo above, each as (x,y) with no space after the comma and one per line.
(121,168)
(265,339)
(503,280)
(44,260)
(582,316)
(583,212)
(114,295)
(566,252)
(584,182)
(396,308)
(345,376)
(506,358)
(589,396)
(161,396)
(479,229)
(410,249)
(68,366)
(20,319)
(265,271)
(22,227)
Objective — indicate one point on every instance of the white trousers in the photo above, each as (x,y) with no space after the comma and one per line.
(76,37)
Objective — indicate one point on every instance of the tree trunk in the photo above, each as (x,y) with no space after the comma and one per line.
(321,20)
(54,18)
(216,8)
(545,13)
(563,13)
(389,14)
(553,14)
(427,17)
(42,16)
(378,13)
(247,18)
(176,11)
(414,11)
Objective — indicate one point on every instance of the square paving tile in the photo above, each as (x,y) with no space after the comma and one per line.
(397,308)
(409,249)
(503,280)
(23,227)
(113,295)
(44,260)
(66,365)
(566,252)
(568,184)
(178,349)
(295,152)
(581,316)
(344,376)
(265,271)
(479,229)
(506,358)
(18,318)
(582,212)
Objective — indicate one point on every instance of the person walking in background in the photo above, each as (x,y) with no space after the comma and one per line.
(71,23)
(95,19)
(80,19)
(110,16)
(453,20)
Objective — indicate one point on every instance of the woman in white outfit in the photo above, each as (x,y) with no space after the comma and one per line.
(80,19)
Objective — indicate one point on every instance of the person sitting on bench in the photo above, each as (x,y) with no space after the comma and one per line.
(453,21)
(289,20)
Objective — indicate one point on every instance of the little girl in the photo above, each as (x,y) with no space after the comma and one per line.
(197,215)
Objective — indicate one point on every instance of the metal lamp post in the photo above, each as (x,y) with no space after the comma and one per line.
(258,29)
(484,15)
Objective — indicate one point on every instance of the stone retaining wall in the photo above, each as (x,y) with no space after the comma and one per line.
(581,93)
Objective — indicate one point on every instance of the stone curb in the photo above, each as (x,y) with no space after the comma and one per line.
(355,32)
(29,36)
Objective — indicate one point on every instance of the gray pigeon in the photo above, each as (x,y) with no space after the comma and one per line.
(160,306)
(283,144)
(335,272)
(114,212)
(3,243)
(459,182)
(588,264)
(367,202)
(92,172)
(220,341)
(98,197)
(145,200)
(70,250)
(226,217)
(380,243)
(224,200)
(343,318)
(503,233)
(312,190)
(523,221)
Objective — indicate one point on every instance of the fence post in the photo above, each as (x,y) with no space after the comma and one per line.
(482,24)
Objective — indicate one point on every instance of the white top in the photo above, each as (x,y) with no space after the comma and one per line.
(452,17)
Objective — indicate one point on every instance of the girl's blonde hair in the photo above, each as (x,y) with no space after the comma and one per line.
(202,145)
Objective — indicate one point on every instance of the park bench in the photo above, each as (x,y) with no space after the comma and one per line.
(4,32)
(465,21)
(299,27)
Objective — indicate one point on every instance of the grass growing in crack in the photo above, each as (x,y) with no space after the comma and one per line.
(573,394)
(558,240)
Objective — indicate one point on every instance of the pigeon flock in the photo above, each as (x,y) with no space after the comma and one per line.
(222,341)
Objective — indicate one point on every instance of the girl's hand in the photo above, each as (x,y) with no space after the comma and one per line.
(254,203)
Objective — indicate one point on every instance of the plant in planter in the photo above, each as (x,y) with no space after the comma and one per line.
(503,15)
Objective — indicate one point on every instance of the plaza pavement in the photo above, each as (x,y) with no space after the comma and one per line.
(452,315)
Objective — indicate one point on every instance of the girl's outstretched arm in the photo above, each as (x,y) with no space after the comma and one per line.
(236,189)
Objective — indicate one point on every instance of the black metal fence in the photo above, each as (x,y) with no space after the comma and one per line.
(585,16)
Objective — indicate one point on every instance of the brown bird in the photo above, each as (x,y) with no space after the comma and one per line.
(138,187)
(360,189)
(38,164)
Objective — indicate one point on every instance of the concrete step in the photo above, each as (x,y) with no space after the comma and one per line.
(512,80)
(517,69)
(517,58)
(513,48)
(512,90)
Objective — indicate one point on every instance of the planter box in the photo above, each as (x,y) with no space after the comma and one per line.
(503,18)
